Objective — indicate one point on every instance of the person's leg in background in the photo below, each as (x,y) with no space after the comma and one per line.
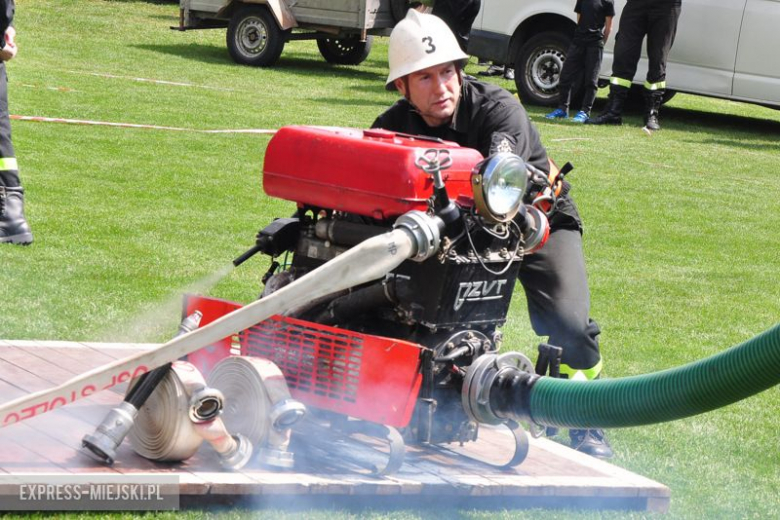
(14,228)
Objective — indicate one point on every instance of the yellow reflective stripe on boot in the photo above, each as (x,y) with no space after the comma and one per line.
(577,374)
(620,82)
(655,86)
(8,163)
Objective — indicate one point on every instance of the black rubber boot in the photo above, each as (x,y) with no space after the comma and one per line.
(591,442)
(14,228)
(653,100)
(613,113)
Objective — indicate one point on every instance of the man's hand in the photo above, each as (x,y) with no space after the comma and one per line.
(9,51)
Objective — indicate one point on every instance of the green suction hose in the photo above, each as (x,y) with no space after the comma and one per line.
(691,389)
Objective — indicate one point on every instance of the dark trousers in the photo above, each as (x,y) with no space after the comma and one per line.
(9,175)
(657,21)
(459,15)
(556,288)
(581,68)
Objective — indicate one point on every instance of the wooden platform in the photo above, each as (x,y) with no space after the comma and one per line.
(552,475)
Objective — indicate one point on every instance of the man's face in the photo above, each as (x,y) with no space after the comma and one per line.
(434,92)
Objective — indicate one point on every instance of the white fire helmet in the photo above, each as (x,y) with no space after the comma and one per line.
(420,41)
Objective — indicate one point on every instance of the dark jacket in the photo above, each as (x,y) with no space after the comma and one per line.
(488,119)
(6,18)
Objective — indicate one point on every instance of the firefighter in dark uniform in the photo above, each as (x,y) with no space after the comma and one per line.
(459,15)
(656,19)
(13,226)
(425,66)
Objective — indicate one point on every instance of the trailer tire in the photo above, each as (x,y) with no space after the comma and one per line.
(538,67)
(345,51)
(254,38)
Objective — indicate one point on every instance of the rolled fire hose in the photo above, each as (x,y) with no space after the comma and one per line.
(258,406)
(179,415)
(109,434)
(496,390)
(416,236)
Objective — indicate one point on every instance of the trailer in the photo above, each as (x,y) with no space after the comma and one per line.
(257,30)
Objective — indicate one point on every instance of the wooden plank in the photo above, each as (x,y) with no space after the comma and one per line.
(89,357)
(53,369)
(59,453)
(541,460)
(227,483)
(576,458)
(119,350)
(278,483)
(359,485)
(458,476)
(18,458)
(552,474)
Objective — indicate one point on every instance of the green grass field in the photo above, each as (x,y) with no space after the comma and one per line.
(681,239)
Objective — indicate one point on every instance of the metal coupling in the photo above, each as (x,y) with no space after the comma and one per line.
(205,404)
(484,376)
(276,458)
(285,414)
(239,456)
(103,443)
(424,230)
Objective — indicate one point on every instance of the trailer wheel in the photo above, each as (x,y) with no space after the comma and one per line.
(538,67)
(254,38)
(345,51)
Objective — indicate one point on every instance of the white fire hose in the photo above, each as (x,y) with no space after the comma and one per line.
(180,414)
(258,405)
(416,236)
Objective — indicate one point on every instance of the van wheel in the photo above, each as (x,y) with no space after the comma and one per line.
(254,38)
(538,67)
(345,51)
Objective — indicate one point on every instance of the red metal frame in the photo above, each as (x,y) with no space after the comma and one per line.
(369,377)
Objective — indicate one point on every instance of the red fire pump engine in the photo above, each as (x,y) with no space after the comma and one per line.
(391,352)
(393,278)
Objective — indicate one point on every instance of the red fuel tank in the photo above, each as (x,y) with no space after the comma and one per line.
(367,172)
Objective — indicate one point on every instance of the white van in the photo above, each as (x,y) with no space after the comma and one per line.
(724,48)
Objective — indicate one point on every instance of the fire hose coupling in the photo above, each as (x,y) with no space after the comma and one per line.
(498,387)
(235,451)
(285,414)
(205,405)
(103,443)
(424,230)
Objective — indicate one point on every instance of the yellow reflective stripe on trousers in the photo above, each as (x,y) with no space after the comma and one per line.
(620,82)
(655,86)
(581,375)
(8,163)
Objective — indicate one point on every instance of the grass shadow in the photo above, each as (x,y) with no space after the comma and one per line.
(688,119)
(154,2)
(696,119)
(734,143)
(303,66)
(191,51)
